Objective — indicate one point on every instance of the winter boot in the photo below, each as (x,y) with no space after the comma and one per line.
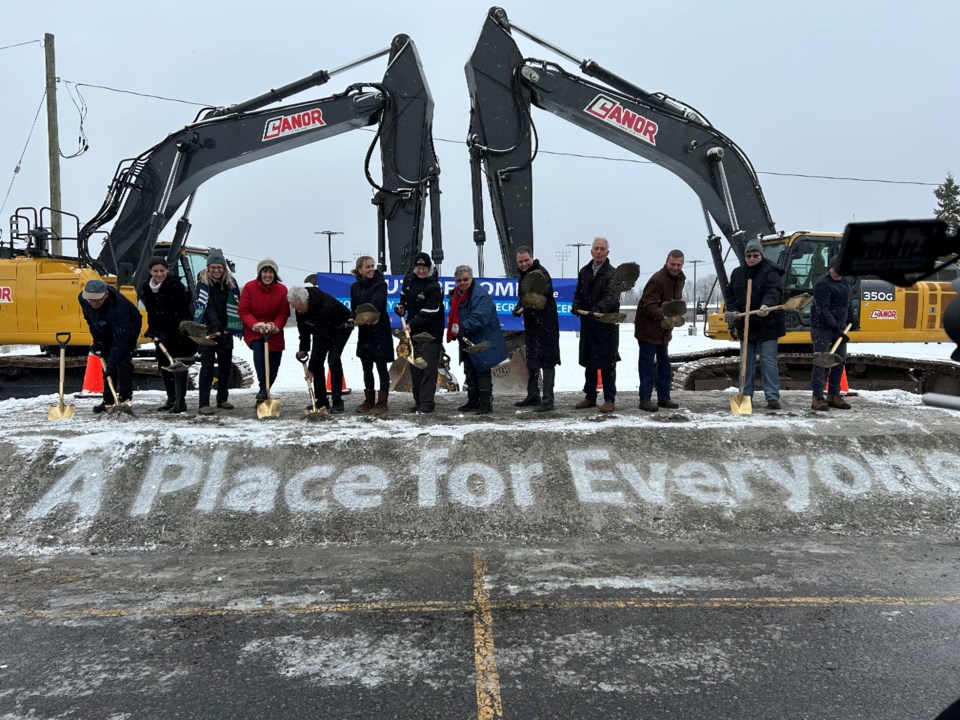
(484,404)
(473,397)
(533,390)
(587,402)
(168,385)
(819,404)
(337,407)
(368,402)
(180,383)
(381,407)
(835,401)
(546,405)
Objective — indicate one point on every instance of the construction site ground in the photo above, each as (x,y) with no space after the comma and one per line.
(446,565)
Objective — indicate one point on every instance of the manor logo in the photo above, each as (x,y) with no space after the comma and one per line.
(613,113)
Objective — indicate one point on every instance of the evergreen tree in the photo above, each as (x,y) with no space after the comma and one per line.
(948,202)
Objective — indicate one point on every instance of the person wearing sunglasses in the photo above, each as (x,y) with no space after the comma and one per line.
(765,327)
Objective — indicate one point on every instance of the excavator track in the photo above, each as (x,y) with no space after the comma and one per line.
(713,370)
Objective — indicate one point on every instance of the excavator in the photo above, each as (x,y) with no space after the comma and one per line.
(39,284)
(502,144)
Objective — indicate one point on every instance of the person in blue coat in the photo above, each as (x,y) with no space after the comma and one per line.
(115,324)
(828,320)
(473,320)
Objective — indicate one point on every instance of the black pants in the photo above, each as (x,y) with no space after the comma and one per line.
(222,355)
(382,373)
(328,349)
(482,380)
(424,382)
(608,376)
(121,377)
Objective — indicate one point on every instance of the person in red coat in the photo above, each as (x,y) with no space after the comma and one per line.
(264,311)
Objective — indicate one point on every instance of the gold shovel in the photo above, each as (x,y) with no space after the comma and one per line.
(741,404)
(797,302)
(268,408)
(314,412)
(175,366)
(830,359)
(476,347)
(61,411)
(611,318)
(417,362)
(125,406)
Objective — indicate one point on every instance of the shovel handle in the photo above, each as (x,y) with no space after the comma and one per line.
(839,340)
(63,338)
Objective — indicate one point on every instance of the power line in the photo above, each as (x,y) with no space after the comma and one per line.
(28,42)
(16,169)
(138,94)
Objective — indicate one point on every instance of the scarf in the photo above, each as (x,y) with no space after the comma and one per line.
(454,319)
(155,286)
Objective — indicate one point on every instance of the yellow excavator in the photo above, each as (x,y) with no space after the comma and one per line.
(41,275)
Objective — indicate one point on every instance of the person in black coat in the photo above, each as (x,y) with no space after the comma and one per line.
(541,337)
(115,324)
(421,300)
(599,342)
(829,316)
(167,303)
(766,328)
(324,321)
(374,342)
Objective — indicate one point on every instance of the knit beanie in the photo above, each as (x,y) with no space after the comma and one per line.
(215,257)
(267,263)
(422,259)
(753,246)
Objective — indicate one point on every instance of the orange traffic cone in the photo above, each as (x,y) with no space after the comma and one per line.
(599,381)
(343,390)
(844,387)
(93,377)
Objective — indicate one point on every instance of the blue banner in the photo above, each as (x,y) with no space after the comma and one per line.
(503,292)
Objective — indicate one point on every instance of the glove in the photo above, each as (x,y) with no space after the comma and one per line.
(666,323)
(730,316)
(678,321)
(109,368)
(842,336)
(150,334)
(518,310)
(455,329)
(399,310)
(97,349)
(763,312)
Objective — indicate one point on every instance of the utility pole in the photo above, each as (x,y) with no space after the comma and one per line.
(329,234)
(342,263)
(695,263)
(53,141)
(562,256)
(578,246)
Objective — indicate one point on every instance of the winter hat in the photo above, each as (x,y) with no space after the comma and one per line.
(753,246)
(422,259)
(94,290)
(156,260)
(267,263)
(215,257)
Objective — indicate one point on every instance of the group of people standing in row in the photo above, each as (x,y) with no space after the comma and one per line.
(259,312)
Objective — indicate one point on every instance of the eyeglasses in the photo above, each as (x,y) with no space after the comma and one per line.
(752,255)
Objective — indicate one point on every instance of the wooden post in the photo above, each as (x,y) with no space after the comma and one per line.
(53,142)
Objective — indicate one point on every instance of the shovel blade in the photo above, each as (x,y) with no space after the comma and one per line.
(612,318)
(176,367)
(420,363)
(125,407)
(60,412)
(826,360)
(478,347)
(741,405)
(269,408)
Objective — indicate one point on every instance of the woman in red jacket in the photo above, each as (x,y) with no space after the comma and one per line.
(264,311)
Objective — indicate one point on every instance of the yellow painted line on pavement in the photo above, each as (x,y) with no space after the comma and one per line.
(489,703)
(486,604)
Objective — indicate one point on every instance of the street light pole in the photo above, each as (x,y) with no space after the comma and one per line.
(695,263)
(329,234)
(342,263)
(562,256)
(578,246)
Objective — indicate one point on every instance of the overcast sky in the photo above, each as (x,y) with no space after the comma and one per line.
(865,89)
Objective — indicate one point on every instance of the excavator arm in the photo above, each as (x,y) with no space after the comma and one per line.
(148,190)
(502,138)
